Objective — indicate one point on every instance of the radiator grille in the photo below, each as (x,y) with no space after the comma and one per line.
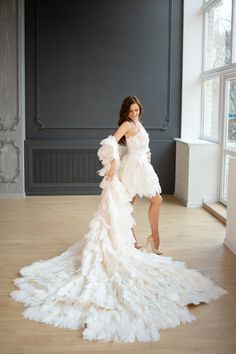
(65,166)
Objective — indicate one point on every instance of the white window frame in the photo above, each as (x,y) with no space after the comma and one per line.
(206,7)
(233,35)
(224,73)
(203,136)
(216,72)
(230,74)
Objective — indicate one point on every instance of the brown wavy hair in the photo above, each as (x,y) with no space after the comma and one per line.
(124,112)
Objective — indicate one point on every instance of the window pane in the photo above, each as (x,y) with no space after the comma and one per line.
(218,35)
(231,115)
(210,108)
(225,177)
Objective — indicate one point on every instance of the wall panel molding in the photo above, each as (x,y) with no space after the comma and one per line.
(41,120)
(9,161)
(4,126)
(11,98)
(62,167)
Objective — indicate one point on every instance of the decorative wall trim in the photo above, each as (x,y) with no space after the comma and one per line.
(3,175)
(11,127)
(166,121)
(11,109)
(62,167)
(15,119)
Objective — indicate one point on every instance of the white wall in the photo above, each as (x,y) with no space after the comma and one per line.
(230,239)
(196,171)
(192,66)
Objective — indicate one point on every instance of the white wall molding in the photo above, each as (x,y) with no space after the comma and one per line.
(10,161)
(12,110)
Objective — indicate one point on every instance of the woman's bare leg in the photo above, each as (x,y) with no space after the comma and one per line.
(153,214)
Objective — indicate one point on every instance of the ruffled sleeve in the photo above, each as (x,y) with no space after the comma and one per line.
(108,151)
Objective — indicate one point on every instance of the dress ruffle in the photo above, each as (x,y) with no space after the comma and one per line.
(104,285)
(138,176)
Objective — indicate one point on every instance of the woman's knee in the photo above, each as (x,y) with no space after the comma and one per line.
(157,199)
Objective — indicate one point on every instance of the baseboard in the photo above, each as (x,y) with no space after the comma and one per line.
(210,200)
(194,205)
(5,196)
(188,204)
(230,245)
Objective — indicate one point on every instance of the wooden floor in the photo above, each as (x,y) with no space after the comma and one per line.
(42,227)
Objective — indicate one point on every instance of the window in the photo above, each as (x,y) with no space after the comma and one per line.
(219,82)
(211,108)
(230,139)
(217,21)
(228,146)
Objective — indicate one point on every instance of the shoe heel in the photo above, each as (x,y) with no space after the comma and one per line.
(154,250)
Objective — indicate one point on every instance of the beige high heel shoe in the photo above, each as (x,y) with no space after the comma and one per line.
(136,245)
(154,250)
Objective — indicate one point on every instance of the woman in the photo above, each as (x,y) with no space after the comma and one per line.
(104,285)
(136,172)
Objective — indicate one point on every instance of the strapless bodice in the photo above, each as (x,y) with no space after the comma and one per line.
(139,142)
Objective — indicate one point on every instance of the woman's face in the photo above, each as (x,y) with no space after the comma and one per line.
(134,111)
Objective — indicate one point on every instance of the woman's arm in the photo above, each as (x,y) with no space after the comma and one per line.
(121,131)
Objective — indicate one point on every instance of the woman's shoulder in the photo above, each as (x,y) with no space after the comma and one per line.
(126,124)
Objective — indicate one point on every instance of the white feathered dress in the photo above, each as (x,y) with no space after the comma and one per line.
(104,285)
(136,172)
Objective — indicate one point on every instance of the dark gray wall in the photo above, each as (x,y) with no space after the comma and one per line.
(82,58)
